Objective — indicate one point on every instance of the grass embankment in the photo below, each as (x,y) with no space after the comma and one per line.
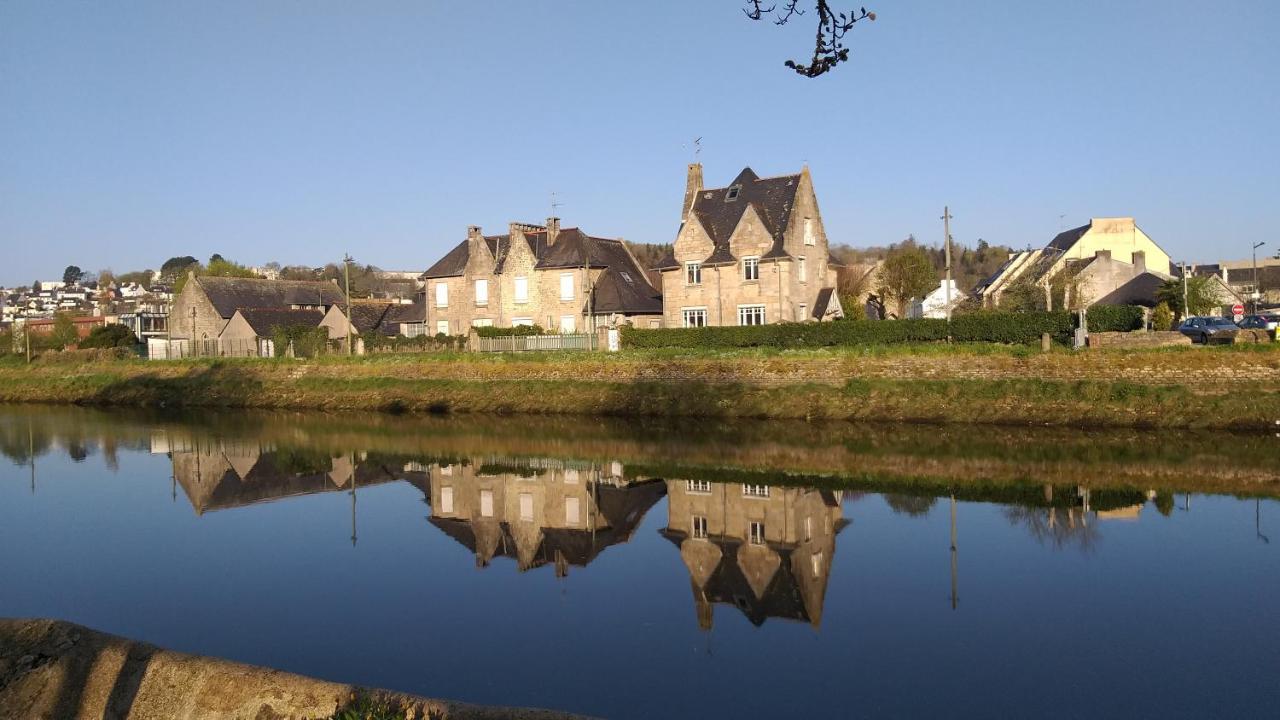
(1180,387)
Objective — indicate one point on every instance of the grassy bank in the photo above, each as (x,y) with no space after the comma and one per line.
(1185,387)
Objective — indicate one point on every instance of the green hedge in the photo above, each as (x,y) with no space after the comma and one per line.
(518,331)
(375,342)
(1116,318)
(983,326)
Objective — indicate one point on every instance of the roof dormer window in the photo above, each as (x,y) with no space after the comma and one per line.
(733,193)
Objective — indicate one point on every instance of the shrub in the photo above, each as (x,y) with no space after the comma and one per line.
(305,340)
(1162,317)
(519,331)
(109,336)
(422,343)
(1116,318)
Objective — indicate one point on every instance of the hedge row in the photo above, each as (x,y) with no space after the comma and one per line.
(986,326)
(518,331)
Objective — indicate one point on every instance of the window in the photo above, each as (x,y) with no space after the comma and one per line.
(521,322)
(692,273)
(733,193)
(626,276)
(482,292)
(695,317)
(750,314)
(568,324)
(655,324)
(522,289)
(570,477)
(804,312)
(755,532)
(526,507)
(572,511)
(759,491)
(750,268)
(446,470)
(699,527)
(442,327)
(486,503)
(566,286)
(698,487)
(808,529)
(809,238)
(802,270)
(817,564)
(442,295)
(446,499)
(482,322)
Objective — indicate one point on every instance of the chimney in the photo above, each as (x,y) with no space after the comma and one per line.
(553,230)
(1139,262)
(1103,254)
(692,186)
(473,232)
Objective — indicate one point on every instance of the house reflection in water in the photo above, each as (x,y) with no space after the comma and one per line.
(765,550)
(542,512)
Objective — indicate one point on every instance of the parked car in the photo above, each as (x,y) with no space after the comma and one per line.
(1209,329)
(1265,321)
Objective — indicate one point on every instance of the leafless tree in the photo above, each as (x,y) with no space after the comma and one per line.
(829,49)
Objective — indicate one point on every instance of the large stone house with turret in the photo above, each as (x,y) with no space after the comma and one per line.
(750,253)
(562,279)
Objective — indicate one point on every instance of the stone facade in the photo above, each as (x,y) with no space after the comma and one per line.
(754,252)
(536,275)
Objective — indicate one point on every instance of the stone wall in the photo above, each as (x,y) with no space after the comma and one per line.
(1137,339)
(205,324)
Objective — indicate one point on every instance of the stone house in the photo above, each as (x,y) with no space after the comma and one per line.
(1115,240)
(764,550)
(206,304)
(558,514)
(751,253)
(377,318)
(561,279)
(251,331)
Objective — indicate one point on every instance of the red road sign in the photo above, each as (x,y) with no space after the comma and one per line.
(1237,309)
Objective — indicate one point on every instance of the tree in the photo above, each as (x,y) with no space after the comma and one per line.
(109,336)
(216,257)
(106,277)
(174,266)
(1162,317)
(72,275)
(829,49)
(1023,295)
(906,274)
(142,277)
(64,331)
(1201,293)
(912,505)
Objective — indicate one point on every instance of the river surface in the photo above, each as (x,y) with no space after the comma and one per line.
(645,570)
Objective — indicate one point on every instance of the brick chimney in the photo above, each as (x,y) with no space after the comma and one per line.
(1139,262)
(553,230)
(692,186)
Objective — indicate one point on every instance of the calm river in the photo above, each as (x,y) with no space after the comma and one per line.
(644,570)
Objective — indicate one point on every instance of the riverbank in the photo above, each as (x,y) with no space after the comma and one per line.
(1227,388)
(53,669)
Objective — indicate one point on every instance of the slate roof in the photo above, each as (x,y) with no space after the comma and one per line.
(265,321)
(1140,290)
(231,294)
(824,299)
(367,317)
(614,293)
(1065,239)
(773,198)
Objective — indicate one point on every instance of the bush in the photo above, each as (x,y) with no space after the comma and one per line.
(305,340)
(109,336)
(1162,317)
(421,343)
(1116,318)
(518,331)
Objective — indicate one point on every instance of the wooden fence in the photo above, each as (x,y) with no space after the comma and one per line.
(534,343)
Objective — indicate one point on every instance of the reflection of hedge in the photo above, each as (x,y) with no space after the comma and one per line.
(518,331)
(423,343)
(306,341)
(982,326)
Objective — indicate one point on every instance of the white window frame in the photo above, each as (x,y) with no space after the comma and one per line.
(442,295)
(520,290)
(526,507)
(442,326)
(566,286)
(752,312)
(521,322)
(755,532)
(693,273)
(697,487)
(804,312)
(802,269)
(755,491)
(482,292)
(446,499)
(698,527)
(810,237)
(696,312)
(486,503)
(751,268)
(568,324)
(482,322)
(572,511)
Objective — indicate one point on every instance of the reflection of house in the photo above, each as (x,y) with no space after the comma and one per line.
(765,550)
(538,516)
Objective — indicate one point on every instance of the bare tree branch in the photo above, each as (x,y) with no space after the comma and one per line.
(829,49)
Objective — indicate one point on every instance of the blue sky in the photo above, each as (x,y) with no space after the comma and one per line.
(296,131)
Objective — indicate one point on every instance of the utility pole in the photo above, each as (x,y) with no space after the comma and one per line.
(1257,281)
(26,337)
(586,284)
(955,599)
(946,241)
(1186,312)
(346,279)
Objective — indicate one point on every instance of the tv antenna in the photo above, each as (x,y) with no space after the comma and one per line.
(555,205)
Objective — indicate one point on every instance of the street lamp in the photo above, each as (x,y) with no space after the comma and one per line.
(1257,281)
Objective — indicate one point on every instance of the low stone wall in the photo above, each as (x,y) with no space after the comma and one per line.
(1137,339)
(57,670)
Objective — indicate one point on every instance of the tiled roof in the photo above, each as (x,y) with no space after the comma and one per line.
(231,294)
(773,199)
(265,321)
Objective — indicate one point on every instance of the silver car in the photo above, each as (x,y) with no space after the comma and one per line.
(1209,329)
